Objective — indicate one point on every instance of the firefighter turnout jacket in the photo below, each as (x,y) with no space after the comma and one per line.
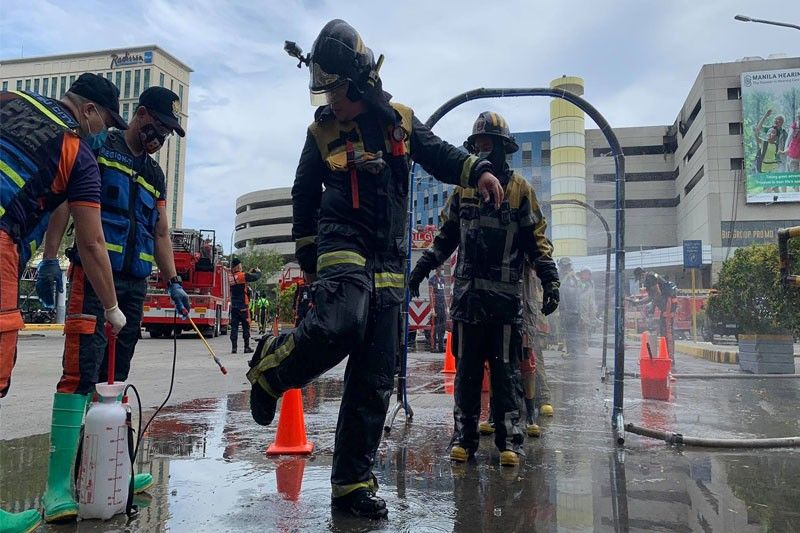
(493,246)
(239,297)
(359,219)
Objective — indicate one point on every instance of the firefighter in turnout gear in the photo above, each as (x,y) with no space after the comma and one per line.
(46,159)
(136,228)
(660,293)
(240,303)
(351,236)
(570,310)
(493,245)
(436,285)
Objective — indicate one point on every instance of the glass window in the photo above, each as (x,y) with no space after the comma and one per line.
(28,85)
(110,76)
(137,80)
(180,93)
(53,86)
(161,79)
(72,79)
(735,128)
(118,79)
(63,85)
(146,78)
(125,109)
(171,85)
(45,86)
(19,85)
(36,85)
(5,85)
(127,91)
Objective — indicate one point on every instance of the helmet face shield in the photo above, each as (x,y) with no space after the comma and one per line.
(323,85)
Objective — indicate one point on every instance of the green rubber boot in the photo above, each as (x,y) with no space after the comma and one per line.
(59,498)
(23,522)
(142,482)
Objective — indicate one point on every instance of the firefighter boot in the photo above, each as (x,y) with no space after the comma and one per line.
(362,502)
(59,498)
(247,348)
(459,454)
(531,427)
(233,346)
(262,403)
(509,458)
(142,482)
(546,409)
(24,522)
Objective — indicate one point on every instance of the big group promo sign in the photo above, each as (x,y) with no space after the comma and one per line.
(746,232)
(127,59)
(771,123)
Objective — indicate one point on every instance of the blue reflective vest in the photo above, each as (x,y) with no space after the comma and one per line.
(131,188)
(29,123)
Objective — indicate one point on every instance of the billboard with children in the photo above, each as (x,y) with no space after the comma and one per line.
(771,133)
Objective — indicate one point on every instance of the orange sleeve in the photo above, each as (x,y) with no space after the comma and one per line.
(85,204)
(161,203)
(69,152)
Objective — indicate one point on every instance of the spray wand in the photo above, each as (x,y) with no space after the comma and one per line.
(222,369)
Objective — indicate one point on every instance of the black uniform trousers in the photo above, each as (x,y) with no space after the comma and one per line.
(345,320)
(240,316)
(501,345)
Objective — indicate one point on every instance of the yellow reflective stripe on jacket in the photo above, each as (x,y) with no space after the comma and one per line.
(146,257)
(340,258)
(152,190)
(389,280)
(115,164)
(11,173)
(114,247)
(304,241)
(33,246)
(466,170)
(49,114)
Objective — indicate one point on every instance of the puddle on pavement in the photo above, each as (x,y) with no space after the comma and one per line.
(211,473)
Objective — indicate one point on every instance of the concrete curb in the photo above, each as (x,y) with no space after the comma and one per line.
(709,354)
(43,327)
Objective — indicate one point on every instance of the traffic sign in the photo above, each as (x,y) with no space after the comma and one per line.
(692,254)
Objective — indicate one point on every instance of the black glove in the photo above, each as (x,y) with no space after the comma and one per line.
(550,298)
(417,275)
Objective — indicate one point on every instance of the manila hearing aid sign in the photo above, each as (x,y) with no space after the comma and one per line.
(771,135)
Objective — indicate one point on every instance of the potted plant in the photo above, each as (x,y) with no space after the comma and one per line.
(750,295)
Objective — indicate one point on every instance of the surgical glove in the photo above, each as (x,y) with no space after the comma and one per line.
(47,273)
(116,318)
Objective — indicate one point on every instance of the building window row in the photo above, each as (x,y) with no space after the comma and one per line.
(693,149)
(655,149)
(669,175)
(640,204)
(734,128)
(694,181)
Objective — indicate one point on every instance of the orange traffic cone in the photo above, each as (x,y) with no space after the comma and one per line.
(289,478)
(291,437)
(644,349)
(663,351)
(449,360)
(485,385)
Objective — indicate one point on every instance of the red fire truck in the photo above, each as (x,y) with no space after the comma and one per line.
(198,261)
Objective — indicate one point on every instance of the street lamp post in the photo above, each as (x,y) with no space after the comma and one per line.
(743,18)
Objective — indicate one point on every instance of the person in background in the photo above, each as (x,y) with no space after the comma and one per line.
(240,303)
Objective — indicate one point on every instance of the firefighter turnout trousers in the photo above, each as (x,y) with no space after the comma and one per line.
(346,318)
(85,359)
(501,344)
(10,317)
(240,316)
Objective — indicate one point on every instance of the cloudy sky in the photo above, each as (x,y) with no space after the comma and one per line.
(249,105)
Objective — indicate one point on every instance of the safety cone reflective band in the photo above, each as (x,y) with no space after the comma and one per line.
(663,351)
(644,349)
(289,478)
(449,360)
(291,437)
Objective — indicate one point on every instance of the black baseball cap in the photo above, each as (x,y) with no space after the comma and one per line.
(102,92)
(164,105)
(235,262)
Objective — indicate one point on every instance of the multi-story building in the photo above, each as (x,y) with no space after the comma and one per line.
(132,70)
(684,181)
(264,221)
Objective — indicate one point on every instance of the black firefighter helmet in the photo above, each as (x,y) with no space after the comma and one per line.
(494,125)
(340,56)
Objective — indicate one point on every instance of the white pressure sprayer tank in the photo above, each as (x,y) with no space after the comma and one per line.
(105,470)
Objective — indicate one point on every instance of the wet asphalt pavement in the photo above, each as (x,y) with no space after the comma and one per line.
(212,474)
